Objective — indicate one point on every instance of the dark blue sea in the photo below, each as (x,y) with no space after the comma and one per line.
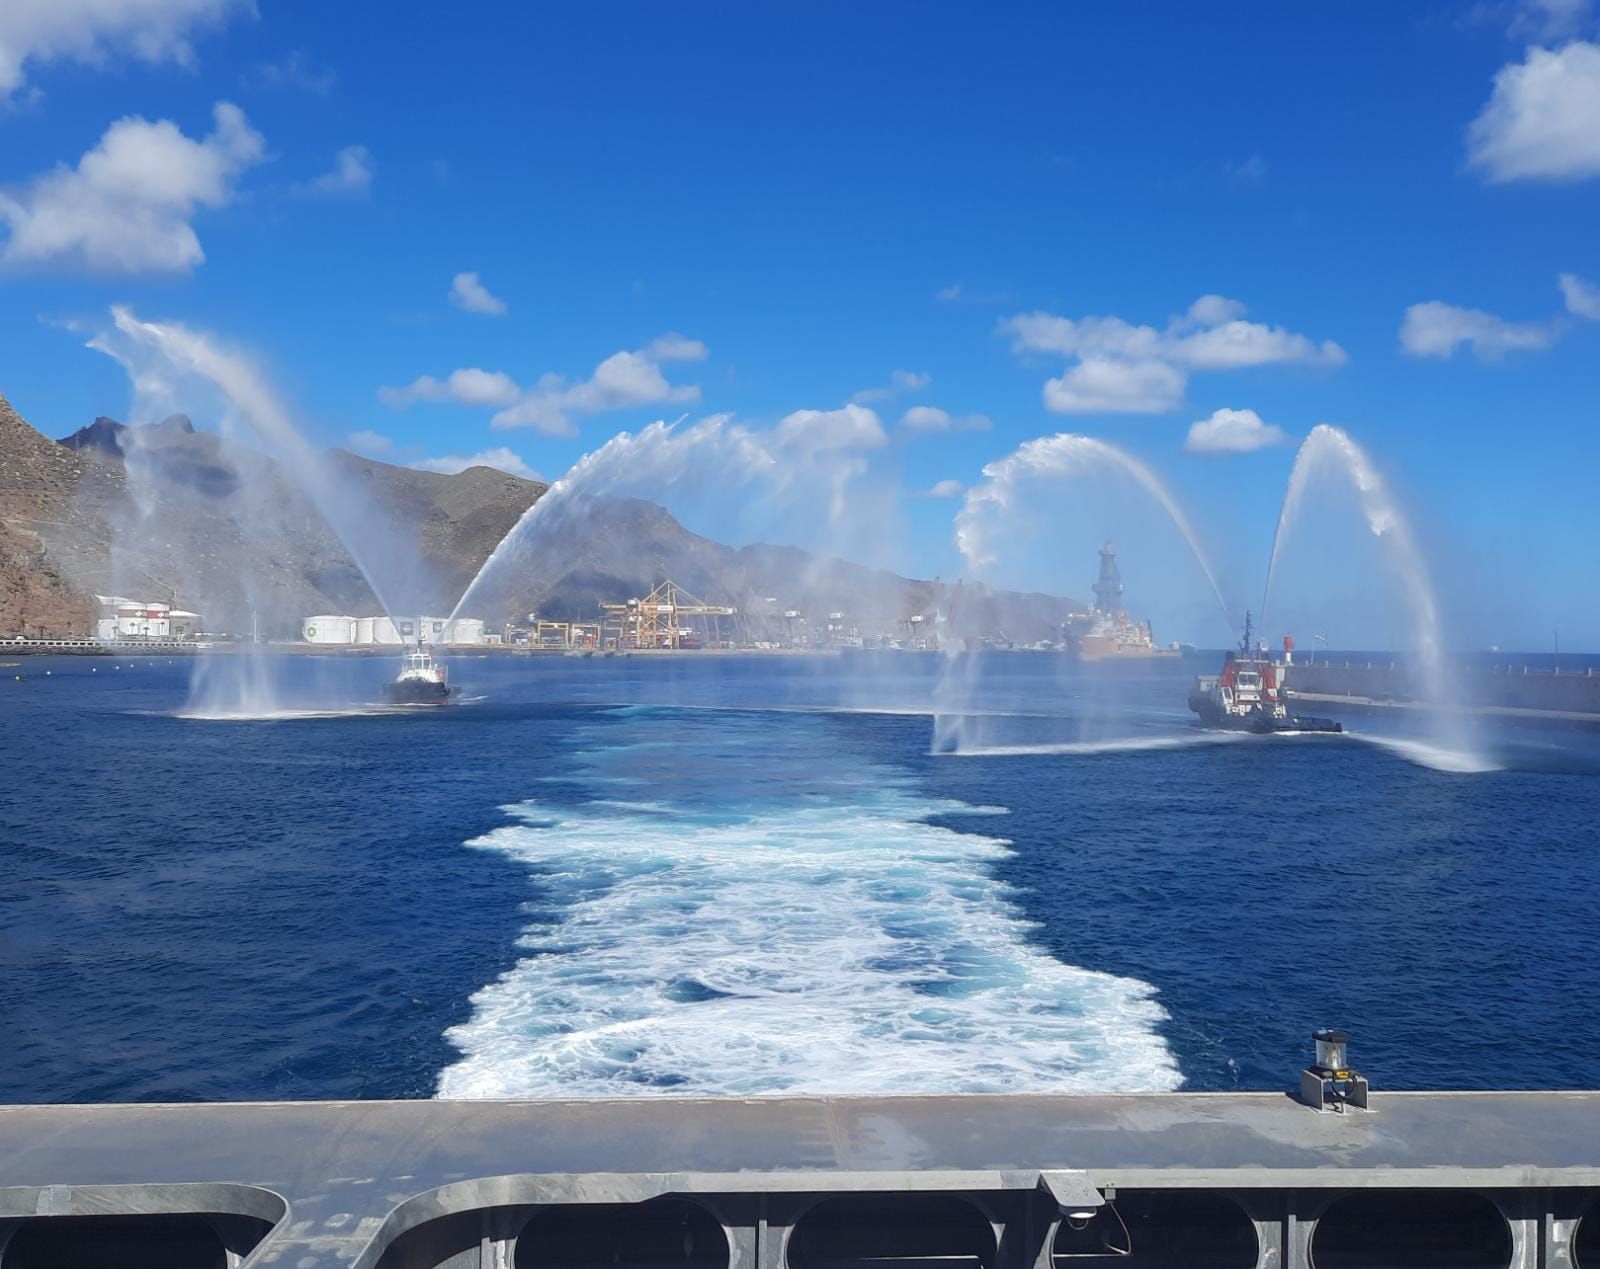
(655,876)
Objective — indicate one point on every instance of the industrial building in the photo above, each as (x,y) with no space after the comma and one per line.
(339,630)
(123,620)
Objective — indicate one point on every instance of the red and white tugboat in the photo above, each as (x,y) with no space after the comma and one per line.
(422,681)
(1248,694)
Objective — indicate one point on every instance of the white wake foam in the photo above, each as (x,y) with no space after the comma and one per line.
(1120,744)
(281,715)
(838,948)
(1435,757)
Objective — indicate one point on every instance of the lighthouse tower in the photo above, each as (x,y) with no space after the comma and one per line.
(1108,589)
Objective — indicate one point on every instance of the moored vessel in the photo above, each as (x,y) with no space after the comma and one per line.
(1112,633)
(422,681)
(1248,694)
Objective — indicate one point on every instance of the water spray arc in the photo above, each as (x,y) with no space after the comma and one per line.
(172,351)
(170,366)
(1331,448)
(714,455)
(1064,456)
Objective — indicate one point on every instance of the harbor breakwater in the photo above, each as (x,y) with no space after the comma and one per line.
(1509,687)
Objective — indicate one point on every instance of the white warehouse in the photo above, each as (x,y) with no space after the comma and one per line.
(333,628)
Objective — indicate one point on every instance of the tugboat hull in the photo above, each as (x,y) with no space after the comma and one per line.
(1261,724)
(416,692)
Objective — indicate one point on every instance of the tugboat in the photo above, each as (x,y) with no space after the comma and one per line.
(421,682)
(1248,694)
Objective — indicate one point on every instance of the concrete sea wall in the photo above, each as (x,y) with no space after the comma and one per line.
(1515,687)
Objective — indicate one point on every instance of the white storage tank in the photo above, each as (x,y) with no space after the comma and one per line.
(364,629)
(464,630)
(329,628)
(386,631)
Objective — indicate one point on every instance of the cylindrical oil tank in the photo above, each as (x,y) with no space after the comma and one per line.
(329,628)
(465,630)
(364,629)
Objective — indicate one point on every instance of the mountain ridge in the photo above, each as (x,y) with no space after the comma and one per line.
(169,512)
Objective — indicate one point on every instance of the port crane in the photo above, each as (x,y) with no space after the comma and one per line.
(656,621)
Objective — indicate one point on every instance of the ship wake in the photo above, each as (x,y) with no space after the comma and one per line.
(830,946)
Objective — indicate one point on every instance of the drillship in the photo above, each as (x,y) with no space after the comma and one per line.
(422,681)
(1112,633)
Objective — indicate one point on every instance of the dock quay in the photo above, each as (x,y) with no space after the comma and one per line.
(1508,691)
(1253,1180)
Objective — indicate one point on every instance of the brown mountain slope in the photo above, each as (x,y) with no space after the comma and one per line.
(168,512)
(38,479)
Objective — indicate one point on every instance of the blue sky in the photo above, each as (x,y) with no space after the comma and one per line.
(811,198)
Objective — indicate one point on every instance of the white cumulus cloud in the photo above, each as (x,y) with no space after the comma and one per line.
(1583,298)
(675,347)
(96,32)
(1436,329)
(849,427)
(899,381)
(468,293)
(1236,344)
(622,381)
(1542,121)
(127,205)
(294,70)
(1213,310)
(1232,432)
(942,489)
(1125,367)
(489,389)
(930,418)
(500,458)
(350,177)
(926,418)
(1099,385)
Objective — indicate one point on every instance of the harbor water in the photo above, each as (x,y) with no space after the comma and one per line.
(753,875)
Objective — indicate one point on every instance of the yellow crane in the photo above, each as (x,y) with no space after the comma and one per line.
(656,621)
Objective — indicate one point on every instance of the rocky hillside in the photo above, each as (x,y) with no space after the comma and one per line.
(168,512)
(38,479)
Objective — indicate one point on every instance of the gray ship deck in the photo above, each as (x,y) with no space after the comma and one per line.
(341,1182)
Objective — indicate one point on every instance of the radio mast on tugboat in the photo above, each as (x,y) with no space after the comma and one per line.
(1248,694)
